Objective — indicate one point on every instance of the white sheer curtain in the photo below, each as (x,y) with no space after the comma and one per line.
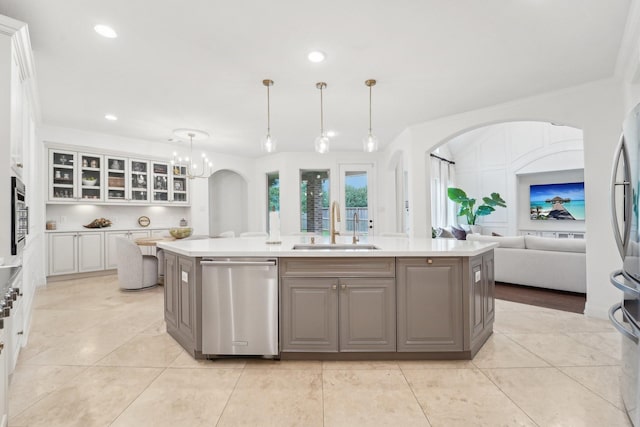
(443,210)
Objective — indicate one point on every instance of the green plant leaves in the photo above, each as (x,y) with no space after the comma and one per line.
(457,195)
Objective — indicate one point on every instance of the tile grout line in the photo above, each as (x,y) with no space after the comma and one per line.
(139,394)
(587,388)
(482,371)
(415,397)
(235,386)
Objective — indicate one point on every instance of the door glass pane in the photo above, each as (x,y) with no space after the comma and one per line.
(116,189)
(273,192)
(356,201)
(314,201)
(90,175)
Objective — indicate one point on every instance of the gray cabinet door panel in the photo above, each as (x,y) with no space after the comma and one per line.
(309,313)
(429,304)
(367,314)
(187,297)
(170,289)
(490,285)
(478,296)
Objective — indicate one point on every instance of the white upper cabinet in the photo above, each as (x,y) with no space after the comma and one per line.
(102,178)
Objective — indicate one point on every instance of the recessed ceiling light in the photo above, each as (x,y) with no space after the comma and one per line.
(331,133)
(110,117)
(105,31)
(316,56)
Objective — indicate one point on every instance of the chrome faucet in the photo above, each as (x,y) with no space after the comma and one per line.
(334,215)
(356,223)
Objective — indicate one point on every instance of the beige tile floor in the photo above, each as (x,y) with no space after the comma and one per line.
(98,357)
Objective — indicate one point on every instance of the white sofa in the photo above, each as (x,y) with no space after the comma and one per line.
(539,261)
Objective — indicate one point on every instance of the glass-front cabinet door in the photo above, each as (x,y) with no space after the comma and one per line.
(160,182)
(116,178)
(179,184)
(139,180)
(62,175)
(90,177)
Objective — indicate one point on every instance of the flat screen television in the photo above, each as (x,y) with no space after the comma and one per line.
(557,201)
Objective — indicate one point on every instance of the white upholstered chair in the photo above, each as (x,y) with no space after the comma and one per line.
(135,271)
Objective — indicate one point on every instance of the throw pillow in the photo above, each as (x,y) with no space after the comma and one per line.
(459,233)
(493,233)
(444,233)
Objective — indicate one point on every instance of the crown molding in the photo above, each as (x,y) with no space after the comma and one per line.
(10,26)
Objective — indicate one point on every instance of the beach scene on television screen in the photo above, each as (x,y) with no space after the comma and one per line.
(557,201)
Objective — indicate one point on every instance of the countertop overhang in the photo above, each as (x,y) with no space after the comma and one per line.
(388,247)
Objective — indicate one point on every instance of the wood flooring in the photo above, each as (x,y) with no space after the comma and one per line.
(558,300)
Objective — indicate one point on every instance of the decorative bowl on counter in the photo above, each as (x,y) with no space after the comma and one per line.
(181,232)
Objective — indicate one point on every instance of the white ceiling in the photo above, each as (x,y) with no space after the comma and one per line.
(200,63)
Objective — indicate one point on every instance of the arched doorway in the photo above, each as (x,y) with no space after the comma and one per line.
(227,202)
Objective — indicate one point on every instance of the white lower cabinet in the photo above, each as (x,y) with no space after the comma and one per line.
(75,252)
(81,252)
(111,252)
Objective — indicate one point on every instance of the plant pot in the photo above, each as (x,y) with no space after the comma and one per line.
(476,229)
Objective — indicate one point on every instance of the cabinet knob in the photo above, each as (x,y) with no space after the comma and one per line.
(1,346)
(429,261)
(20,165)
(343,287)
(334,287)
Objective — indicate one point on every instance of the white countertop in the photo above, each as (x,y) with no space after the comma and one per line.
(388,247)
(84,229)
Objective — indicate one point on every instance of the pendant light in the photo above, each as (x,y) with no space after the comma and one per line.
(268,144)
(322,141)
(370,143)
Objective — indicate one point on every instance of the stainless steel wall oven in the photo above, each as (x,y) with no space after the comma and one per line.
(19,216)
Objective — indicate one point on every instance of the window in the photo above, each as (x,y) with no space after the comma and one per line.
(273,192)
(314,201)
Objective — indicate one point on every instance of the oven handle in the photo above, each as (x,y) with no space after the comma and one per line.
(624,288)
(624,331)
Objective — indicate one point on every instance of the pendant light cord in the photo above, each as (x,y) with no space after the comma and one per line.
(268,113)
(369,110)
(321,115)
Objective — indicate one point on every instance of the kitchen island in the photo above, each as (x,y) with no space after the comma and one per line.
(382,298)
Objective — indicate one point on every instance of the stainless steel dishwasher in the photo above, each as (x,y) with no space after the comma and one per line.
(240,306)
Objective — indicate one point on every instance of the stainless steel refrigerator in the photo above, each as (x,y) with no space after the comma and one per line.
(625,315)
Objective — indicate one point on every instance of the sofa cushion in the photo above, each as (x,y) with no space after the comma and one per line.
(515,242)
(459,233)
(553,244)
(444,233)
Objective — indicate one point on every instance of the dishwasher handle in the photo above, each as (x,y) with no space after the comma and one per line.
(206,263)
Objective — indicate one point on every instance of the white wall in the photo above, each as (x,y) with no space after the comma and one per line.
(489,159)
(596,108)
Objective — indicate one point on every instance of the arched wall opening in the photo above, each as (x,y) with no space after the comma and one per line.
(507,158)
(228,206)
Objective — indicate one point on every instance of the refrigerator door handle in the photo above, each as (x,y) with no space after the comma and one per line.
(623,287)
(624,331)
(621,238)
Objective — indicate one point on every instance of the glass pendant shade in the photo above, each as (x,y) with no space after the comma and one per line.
(322,144)
(370,143)
(268,144)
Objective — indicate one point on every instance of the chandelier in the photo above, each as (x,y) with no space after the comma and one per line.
(188,165)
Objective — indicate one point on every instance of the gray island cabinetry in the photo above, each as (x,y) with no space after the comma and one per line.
(404,299)
(337,304)
(182,301)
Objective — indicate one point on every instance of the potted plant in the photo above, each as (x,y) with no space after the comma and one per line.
(467,205)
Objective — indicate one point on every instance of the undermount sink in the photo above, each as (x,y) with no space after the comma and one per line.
(335,247)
